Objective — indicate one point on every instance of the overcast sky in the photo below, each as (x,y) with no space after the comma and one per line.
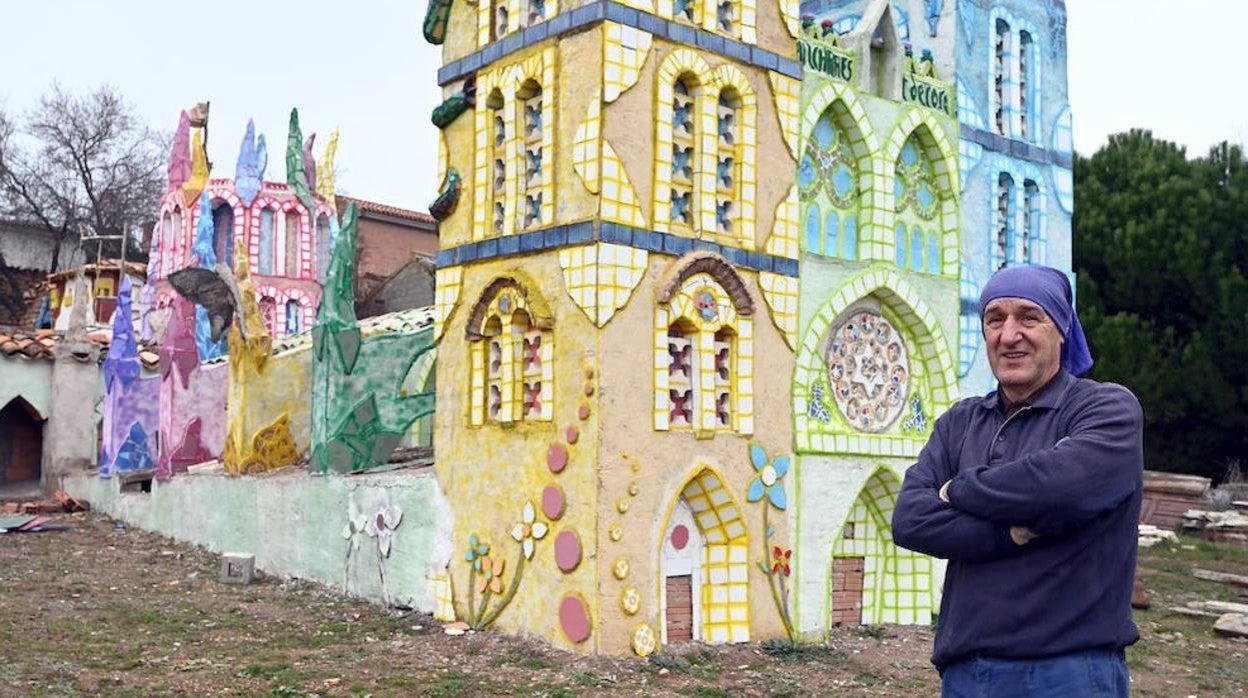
(365,68)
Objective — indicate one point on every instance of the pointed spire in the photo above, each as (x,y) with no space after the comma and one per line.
(180,154)
(204,230)
(246,173)
(122,362)
(325,171)
(309,162)
(199,169)
(296,173)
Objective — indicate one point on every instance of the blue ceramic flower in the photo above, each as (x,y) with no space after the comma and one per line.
(476,550)
(767,481)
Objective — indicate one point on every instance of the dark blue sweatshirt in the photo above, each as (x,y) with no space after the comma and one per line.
(1069,466)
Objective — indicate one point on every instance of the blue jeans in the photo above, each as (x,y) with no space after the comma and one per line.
(1074,675)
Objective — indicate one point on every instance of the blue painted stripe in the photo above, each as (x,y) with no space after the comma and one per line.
(580,18)
(615,233)
(1015,148)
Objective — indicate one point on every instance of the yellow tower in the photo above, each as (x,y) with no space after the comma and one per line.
(616,311)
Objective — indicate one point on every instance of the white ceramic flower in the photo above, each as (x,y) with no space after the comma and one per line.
(356,521)
(381,526)
(528,530)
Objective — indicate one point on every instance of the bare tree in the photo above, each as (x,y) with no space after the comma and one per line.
(80,163)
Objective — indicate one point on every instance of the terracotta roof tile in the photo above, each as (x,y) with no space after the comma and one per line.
(383,209)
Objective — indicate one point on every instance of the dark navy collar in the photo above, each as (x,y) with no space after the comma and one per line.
(1049,397)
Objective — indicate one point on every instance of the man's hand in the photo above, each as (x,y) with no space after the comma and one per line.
(1021,535)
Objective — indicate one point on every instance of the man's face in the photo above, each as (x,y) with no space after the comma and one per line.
(1024,346)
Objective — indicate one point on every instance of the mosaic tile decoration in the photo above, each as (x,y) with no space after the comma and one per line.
(601,277)
(969,337)
(496,19)
(1021,238)
(624,51)
(783,241)
(520,128)
(618,203)
(1016,63)
(447,282)
(585,146)
(1063,177)
(687,64)
(786,93)
(513,366)
(932,366)
(868,370)
(850,118)
(897,583)
(702,304)
(943,158)
(781,294)
(969,152)
(725,569)
(741,144)
(791,13)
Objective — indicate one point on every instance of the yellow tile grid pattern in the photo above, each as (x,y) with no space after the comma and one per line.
(507,84)
(624,51)
(943,157)
(725,568)
(684,308)
(933,365)
(679,64)
(618,202)
(443,599)
(749,21)
(447,283)
(791,11)
(781,292)
(519,14)
(498,362)
(785,227)
(585,146)
(601,277)
(786,93)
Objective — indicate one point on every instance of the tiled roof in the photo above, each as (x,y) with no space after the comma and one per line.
(134,268)
(40,344)
(384,210)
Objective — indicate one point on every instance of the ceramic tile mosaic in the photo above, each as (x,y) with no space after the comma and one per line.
(897,583)
(781,293)
(933,374)
(624,51)
(618,203)
(1018,231)
(586,145)
(935,146)
(508,359)
(447,283)
(725,570)
(786,93)
(601,277)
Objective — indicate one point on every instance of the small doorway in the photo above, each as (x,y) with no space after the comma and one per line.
(847,579)
(683,550)
(21,444)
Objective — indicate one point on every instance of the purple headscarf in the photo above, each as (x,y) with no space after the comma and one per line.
(1050,289)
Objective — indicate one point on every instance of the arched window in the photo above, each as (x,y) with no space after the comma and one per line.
(828,179)
(512,368)
(1032,222)
(324,247)
(291,267)
(267,220)
(529,154)
(268,313)
(728,163)
(685,11)
(498,19)
(223,232)
(537,12)
(703,353)
(1004,215)
(684,154)
(917,199)
(496,145)
(814,238)
(726,17)
(1001,77)
(294,317)
(1025,66)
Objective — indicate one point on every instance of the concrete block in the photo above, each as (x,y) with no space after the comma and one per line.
(237,568)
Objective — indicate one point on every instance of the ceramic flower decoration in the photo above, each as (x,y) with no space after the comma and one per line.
(492,575)
(528,530)
(356,522)
(477,550)
(767,481)
(381,526)
(780,560)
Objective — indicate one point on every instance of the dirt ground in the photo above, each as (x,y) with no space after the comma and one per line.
(106,610)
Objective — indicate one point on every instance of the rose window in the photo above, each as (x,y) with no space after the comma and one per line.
(867,371)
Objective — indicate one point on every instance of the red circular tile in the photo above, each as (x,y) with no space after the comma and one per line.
(557,458)
(583,412)
(589,390)
(567,550)
(574,435)
(552,502)
(574,618)
(680,537)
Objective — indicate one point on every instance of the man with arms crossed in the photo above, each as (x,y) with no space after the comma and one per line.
(1033,495)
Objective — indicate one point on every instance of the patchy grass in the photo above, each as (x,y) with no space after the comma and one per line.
(100,611)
